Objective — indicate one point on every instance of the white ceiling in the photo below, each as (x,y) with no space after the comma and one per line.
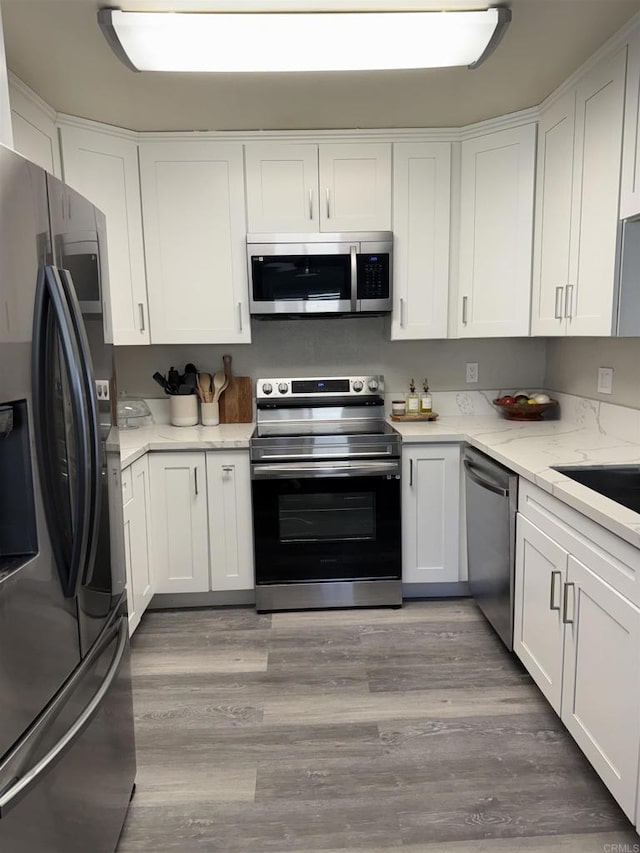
(56,47)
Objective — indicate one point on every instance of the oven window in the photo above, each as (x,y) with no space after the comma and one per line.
(301,278)
(327,517)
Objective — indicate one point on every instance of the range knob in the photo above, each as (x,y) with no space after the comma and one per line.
(283,387)
(358,385)
(372,384)
(267,388)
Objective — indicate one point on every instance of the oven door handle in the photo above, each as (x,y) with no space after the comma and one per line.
(322,469)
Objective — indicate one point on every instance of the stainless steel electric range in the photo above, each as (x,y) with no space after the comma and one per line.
(325,472)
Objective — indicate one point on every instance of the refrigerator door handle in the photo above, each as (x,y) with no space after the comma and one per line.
(51,305)
(20,787)
(86,373)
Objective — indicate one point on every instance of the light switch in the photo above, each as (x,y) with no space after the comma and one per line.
(605,380)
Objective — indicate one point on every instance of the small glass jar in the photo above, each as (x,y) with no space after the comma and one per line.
(398,407)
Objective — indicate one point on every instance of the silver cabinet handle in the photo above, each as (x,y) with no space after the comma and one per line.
(328,204)
(568,302)
(558,307)
(402,315)
(465,303)
(227,469)
(411,472)
(552,594)
(310,204)
(195,478)
(240,314)
(141,312)
(565,604)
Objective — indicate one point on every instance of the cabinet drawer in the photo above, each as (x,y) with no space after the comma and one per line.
(607,556)
(127,486)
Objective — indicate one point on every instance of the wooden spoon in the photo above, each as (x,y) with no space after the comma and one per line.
(219,384)
(204,387)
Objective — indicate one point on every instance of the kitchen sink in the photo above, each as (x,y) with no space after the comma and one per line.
(620,483)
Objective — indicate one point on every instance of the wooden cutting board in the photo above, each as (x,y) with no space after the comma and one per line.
(236,403)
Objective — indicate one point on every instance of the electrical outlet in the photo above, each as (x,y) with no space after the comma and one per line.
(102,389)
(472,371)
(605,380)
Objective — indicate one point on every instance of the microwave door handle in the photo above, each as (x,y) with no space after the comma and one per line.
(353,252)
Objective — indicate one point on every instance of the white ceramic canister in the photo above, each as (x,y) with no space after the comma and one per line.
(184,409)
(210,414)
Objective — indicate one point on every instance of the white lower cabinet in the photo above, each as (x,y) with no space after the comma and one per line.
(180,534)
(201,521)
(136,508)
(431,513)
(230,528)
(579,638)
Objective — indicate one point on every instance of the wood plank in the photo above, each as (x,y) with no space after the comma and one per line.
(236,402)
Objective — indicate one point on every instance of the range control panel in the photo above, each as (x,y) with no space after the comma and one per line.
(315,387)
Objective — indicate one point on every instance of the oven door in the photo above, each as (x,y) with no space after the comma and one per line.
(324,521)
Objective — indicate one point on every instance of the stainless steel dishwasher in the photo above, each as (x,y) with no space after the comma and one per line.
(492,502)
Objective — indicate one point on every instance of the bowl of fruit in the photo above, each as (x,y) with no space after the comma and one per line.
(523,406)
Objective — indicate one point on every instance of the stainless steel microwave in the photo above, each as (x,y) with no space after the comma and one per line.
(316,274)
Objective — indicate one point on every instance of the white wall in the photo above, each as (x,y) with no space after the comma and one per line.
(6,136)
(344,346)
(572,367)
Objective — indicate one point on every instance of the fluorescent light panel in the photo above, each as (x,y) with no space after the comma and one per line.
(277,42)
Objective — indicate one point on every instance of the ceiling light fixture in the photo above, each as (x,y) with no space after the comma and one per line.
(304,41)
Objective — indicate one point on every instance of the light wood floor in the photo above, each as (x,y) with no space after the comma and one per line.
(359,730)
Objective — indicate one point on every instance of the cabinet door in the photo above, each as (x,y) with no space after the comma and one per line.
(195,242)
(34,128)
(230,520)
(496,233)
(355,187)
(282,188)
(431,514)
(538,635)
(129,519)
(596,189)
(553,216)
(179,521)
(104,168)
(421,215)
(630,183)
(601,691)
(140,586)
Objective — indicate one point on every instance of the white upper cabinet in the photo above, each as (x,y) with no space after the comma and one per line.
(355,187)
(496,233)
(630,183)
(195,242)
(421,223)
(577,205)
(104,168)
(596,188)
(34,127)
(306,188)
(282,188)
(553,216)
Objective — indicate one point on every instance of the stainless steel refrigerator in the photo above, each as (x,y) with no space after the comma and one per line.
(67,752)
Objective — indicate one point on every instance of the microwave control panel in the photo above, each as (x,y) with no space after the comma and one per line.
(373,276)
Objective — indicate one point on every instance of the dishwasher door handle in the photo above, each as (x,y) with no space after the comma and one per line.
(472,474)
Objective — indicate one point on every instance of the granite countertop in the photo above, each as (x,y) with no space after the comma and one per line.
(529,449)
